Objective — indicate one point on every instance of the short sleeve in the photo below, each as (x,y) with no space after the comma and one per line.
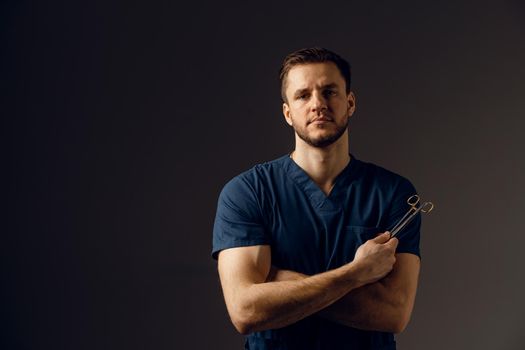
(238,221)
(410,234)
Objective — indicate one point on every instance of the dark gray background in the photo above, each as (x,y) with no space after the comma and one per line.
(122,123)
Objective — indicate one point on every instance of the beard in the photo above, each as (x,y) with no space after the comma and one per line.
(322,141)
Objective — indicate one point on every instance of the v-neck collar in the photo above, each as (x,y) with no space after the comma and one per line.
(314,193)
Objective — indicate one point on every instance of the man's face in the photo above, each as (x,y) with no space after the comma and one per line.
(317,106)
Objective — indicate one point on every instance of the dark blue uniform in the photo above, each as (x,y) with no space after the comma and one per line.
(277,204)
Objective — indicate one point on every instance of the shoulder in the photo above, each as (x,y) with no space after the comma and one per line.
(385,179)
(255,179)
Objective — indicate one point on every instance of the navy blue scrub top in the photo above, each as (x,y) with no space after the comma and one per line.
(276,203)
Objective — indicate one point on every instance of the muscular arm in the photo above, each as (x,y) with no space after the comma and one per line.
(256,303)
(385,305)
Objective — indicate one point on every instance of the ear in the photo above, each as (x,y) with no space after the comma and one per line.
(286,113)
(351,103)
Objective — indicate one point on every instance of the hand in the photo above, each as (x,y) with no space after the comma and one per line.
(375,258)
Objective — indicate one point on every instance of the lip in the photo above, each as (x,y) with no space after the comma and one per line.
(321,120)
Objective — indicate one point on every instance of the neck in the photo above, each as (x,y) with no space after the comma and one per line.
(322,164)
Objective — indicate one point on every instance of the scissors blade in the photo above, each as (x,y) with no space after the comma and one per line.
(405,220)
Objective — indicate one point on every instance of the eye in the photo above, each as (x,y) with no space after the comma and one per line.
(330,93)
(302,97)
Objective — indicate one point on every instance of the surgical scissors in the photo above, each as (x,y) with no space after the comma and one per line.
(413,201)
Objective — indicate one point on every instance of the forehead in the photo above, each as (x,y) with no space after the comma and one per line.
(312,75)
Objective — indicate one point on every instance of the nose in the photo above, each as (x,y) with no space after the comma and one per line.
(318,102)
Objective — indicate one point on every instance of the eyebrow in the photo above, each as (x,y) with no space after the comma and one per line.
(327,86)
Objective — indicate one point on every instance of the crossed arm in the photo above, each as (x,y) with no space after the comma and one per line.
(376,291)
(385,305)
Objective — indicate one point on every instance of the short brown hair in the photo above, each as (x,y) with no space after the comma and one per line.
(313,55)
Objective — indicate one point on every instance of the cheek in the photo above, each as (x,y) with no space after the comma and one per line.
(345,107)
(338,108)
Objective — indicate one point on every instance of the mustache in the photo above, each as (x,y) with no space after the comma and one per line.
(322,117)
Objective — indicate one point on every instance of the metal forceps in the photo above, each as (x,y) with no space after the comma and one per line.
(413,201)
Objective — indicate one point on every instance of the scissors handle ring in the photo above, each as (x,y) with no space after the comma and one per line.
(427,207)
(413,200)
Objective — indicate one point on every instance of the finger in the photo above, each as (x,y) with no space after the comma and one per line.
(393,242)
(382,238)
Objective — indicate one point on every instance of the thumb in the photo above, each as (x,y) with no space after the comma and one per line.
(382,238)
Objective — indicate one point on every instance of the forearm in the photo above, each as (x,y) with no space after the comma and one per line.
(371,307)
(376,306)
(275,304)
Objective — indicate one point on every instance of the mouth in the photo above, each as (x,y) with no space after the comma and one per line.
(321,120)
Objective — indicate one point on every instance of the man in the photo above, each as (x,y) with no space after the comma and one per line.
(304,256)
